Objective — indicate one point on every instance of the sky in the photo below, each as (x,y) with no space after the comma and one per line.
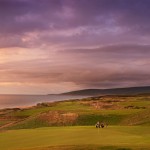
(55,46)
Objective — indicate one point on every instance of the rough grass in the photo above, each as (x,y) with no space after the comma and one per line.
(30,112)
(85,138)
(111,117)
(29,124)
(3,122)
(115,110)
(91,119)
(140,118)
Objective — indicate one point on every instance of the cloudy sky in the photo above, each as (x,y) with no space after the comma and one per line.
(54,46)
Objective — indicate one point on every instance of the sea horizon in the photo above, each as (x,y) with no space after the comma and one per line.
(25,100)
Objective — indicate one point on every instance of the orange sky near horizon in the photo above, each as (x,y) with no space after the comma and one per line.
(55,46)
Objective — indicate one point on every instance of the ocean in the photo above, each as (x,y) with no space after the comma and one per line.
(13,101)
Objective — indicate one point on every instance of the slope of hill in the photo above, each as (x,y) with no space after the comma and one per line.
(113,110)
(114,91)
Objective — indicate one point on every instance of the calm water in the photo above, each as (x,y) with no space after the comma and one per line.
(9,101)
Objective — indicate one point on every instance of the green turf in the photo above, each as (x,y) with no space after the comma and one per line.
(91,119)
(123,110)
(72,106)
(30,112)
(115,110)
(4,122)
(131,137)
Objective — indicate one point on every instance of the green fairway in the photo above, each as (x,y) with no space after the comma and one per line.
(69,125)
(85,137)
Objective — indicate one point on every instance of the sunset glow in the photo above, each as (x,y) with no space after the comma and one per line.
(54,46)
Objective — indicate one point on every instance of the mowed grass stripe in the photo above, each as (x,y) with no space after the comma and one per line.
(86,135)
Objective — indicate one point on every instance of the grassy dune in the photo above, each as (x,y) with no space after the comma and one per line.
(115,110)
(77,137)
(69,125)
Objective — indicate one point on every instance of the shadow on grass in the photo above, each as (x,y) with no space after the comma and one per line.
(86,147)
(113,148)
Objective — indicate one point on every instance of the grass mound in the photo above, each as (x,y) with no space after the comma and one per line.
(114,110)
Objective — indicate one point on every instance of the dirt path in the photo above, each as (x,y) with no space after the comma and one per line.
(8,125)
(2,128)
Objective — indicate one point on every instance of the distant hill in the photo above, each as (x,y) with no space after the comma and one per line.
(114,91)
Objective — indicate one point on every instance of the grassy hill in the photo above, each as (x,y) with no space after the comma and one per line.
(70,124)
(113,110)
(114,91)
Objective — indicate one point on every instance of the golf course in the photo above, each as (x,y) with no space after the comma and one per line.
(70,124)
(78,137)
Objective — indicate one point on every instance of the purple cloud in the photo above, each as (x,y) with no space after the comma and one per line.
(84,43)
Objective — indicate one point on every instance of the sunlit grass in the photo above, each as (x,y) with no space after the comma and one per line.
(115,136)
